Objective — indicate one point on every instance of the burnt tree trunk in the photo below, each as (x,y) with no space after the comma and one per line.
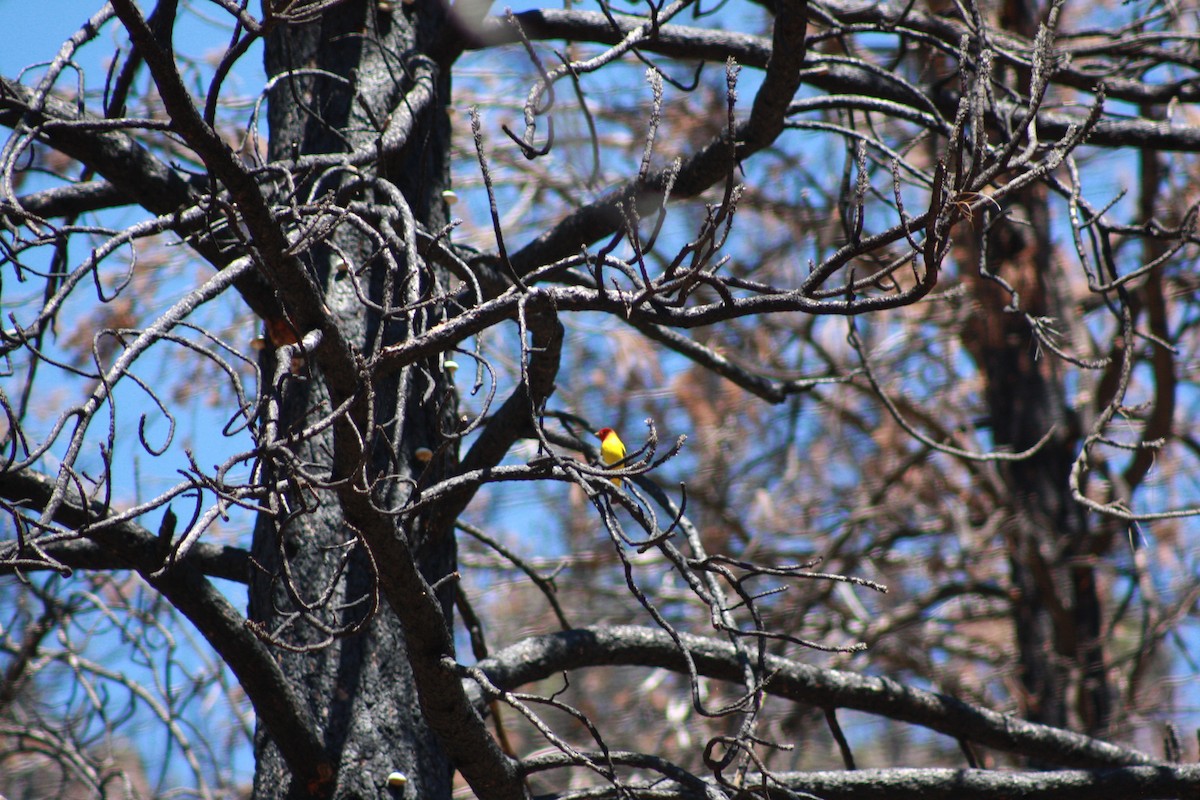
(339,81)
(1056,610)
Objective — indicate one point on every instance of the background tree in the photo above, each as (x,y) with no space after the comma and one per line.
(903,290)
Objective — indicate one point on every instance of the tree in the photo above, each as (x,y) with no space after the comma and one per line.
(877,260)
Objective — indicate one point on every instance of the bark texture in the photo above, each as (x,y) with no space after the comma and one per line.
(338,82)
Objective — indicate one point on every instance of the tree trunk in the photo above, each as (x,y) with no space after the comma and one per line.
(1057,615)
(316,587)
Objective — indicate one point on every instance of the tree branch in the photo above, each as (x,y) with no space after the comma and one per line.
(276,704)
(213,560)
(515,418)
(67,201)
(1165,782)
(1160,781)
(680,41)
(541,656)
(711,164)
(93,141)
(295,285)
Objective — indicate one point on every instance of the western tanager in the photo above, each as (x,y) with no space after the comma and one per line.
(612,449)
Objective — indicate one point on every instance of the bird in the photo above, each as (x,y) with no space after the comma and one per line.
(612,449)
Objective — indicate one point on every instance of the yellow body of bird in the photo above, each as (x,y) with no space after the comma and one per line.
(612,449)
